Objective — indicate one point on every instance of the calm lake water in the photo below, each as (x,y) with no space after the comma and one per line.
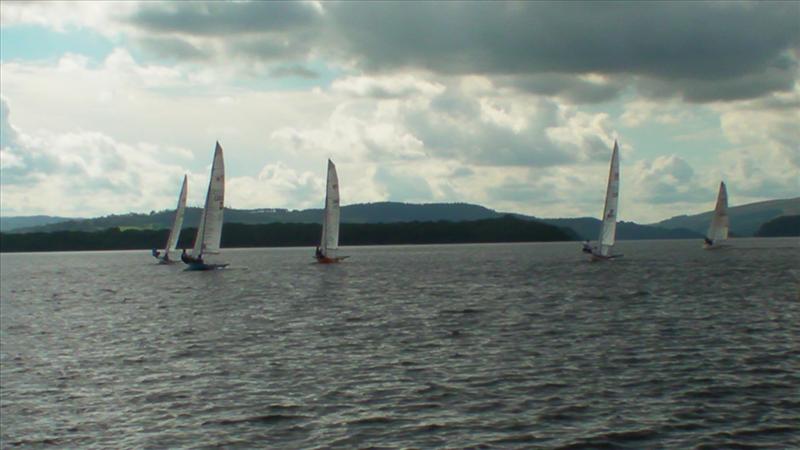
(490,346)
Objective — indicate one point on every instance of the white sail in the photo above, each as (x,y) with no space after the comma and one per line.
(608,232)
(718,230)
(330,223)
(209,233)
(175,231)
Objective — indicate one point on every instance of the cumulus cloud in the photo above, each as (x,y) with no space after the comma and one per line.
(384,119)
(8,135)
(387,86)
(85,172)
(490,128)
(278,186)
(643,111)
(479,102)
(668,179)
(403,187)
(764,159)
(356,130)
(64,15)
(179,105)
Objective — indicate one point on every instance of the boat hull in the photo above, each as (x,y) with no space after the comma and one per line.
(595,257)
(326,260)
(204,266)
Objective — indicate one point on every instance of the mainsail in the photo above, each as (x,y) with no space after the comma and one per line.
(330,222)
(718,230)
(175,231)
(608,231)
(209,233)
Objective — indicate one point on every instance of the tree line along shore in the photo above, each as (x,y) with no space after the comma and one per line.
(503,229)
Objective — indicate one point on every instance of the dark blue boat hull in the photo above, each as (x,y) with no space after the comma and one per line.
(204,266)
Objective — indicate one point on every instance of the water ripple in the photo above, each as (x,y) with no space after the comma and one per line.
(400,348)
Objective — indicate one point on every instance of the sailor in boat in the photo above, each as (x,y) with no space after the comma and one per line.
(318,253)
(191,259)
(708,241)
(587,248)
(155,253)
(188,259)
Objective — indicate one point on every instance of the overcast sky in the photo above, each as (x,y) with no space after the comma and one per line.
(514,106)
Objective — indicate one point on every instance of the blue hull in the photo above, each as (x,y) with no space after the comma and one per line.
(204,266)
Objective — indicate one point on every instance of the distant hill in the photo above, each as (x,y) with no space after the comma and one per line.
(381,212)
(589,228)
(13,223)
(784,226)
(744,219)
(502,229)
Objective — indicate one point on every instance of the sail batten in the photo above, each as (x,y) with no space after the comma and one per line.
(329,243)
(209,232)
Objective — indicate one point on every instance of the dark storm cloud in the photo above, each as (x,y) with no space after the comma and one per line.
(172,47)
(223,18)
(668,40)
(570,87)
(271,47)
(701,51)
(258,30)
(751,85)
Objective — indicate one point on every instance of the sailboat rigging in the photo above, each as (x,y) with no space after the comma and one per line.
(328,248)
(175,231)
(718,228)
(209,233)
(608,230)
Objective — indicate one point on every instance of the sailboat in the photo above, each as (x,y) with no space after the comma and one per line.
(209,232)
(329,243)
(718,229)
(175,231)
(608,231)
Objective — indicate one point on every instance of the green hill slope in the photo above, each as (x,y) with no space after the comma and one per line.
(744,219)
(784,226)
(14,223)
